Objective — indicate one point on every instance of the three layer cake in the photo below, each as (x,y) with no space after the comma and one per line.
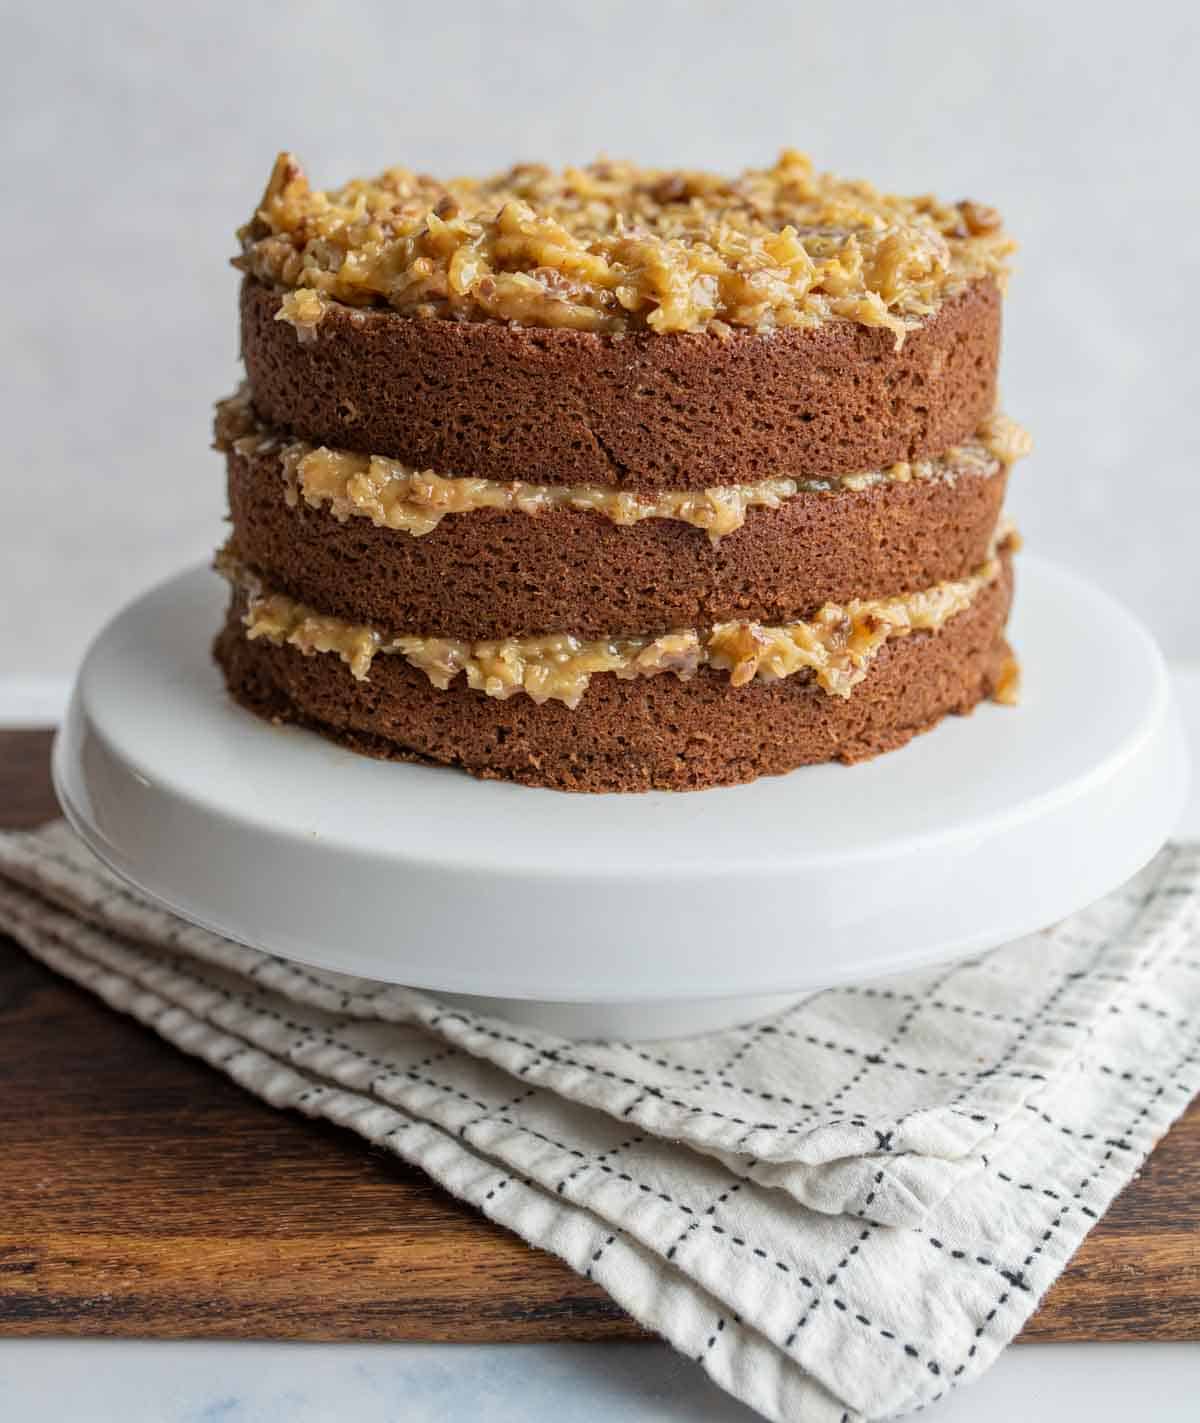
(615,479)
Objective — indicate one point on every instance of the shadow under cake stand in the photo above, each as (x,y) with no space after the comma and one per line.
(632,916)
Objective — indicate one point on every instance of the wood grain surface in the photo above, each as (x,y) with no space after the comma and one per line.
(142,1193)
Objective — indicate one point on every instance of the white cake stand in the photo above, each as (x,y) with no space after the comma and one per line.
(626,915)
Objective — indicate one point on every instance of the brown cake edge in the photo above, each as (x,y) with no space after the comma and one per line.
(555,406)
(655,733)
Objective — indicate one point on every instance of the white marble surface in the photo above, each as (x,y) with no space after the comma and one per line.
(136,136)
(54,1381)
(115,1381)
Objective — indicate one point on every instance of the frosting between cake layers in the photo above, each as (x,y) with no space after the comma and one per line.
(395,495)
(836,645)
(610,248)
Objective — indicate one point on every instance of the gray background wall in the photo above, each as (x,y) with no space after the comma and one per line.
(137,136)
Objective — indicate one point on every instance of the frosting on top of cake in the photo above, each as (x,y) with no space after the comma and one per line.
(612,247)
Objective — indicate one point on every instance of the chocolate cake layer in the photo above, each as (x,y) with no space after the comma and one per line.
(682,410)
(502,573)
(661,732)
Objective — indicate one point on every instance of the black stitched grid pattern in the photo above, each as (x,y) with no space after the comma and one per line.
(843,1211)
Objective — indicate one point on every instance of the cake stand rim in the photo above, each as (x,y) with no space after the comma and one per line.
(1159,730)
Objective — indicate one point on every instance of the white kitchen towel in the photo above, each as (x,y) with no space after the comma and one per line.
(841,1212)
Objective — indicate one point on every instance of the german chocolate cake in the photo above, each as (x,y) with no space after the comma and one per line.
(617,479)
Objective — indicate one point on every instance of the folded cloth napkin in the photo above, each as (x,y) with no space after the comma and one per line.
(842,1212)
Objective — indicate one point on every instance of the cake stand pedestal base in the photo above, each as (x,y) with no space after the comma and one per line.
(638,915)
(634,1022)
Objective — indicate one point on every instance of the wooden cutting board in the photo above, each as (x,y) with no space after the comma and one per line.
(142,1193)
